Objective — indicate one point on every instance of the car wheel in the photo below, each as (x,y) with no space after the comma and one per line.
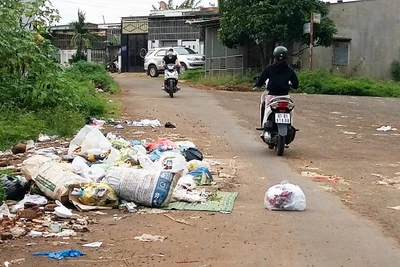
(153,72)
(183,68)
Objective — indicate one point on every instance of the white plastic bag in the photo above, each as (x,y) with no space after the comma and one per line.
(37,199)
(196,164)
(285,196)
(79,138)
(187,182)
(174,162)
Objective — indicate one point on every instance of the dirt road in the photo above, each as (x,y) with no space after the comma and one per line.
(328,234)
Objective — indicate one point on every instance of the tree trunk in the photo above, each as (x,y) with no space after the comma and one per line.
(263,56)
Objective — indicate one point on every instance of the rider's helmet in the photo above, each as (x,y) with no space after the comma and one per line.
(170,52)
(280,53)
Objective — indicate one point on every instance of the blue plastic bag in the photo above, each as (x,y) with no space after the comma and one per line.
(202,176)
(59,255)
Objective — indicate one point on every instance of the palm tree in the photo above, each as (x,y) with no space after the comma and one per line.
(82,38)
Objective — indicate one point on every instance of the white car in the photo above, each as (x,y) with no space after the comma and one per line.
(188,58)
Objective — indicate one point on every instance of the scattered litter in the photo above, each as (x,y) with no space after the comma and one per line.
(177,220)
(187,261)
(46,138)
(349,133)
(326,179)
(99,213)
(285,196)
(336,112)
(145,123)
(93,245)
(386,129)
(150,238)
(129,207)
(394,208)
(17,261)
(170,125)
(225,175)
(59,255)
(119,126)
(347,201)
(61,211)
(340,125)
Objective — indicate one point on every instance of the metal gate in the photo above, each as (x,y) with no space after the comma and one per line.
(137,49)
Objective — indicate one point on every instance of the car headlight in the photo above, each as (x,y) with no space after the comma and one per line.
(192,58)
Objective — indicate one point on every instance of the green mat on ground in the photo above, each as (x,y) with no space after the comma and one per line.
(225,203)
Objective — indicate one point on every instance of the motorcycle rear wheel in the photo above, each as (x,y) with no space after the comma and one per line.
(280,147)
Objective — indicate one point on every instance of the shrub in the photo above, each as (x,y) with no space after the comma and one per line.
(395,70)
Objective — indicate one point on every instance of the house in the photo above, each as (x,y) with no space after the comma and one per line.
(161,28)
(367,42)
(221,60)
(103,49)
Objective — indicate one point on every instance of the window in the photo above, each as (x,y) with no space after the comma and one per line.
(184,51)
(161,53)
(341,53)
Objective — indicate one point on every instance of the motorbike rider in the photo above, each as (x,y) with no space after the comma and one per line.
(279,74)
(171,58)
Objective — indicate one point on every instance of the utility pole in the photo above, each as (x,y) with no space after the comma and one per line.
(315,18)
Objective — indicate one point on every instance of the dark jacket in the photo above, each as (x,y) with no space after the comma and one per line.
(279,75)
(167,60)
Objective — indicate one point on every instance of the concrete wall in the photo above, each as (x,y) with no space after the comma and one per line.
(373,28)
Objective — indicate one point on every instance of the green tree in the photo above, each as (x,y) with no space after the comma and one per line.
(82,38)
(270,22)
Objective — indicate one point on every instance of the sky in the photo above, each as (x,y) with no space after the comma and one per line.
(112,10)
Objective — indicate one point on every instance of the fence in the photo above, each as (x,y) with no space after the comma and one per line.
(227,65)
(93,55)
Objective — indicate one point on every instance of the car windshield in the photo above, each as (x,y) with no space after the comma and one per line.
(184,51)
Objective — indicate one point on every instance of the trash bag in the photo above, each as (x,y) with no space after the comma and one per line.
(36,199)
(100,194)
(196,164)
(174,162)
(192,153)
(202,176)
(162,143)
(15,188)
(285,196)
(59,255)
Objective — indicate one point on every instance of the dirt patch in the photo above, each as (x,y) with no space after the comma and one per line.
(229,88)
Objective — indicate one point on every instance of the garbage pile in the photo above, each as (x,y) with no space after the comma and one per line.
(99,172)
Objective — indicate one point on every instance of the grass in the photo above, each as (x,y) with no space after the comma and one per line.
(19,124)
(315,82)
(226,82)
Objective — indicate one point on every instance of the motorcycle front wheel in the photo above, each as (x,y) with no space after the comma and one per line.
(171,88)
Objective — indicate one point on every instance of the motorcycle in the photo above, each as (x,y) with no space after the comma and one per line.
(171,76)
(112,66)
(276,122)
